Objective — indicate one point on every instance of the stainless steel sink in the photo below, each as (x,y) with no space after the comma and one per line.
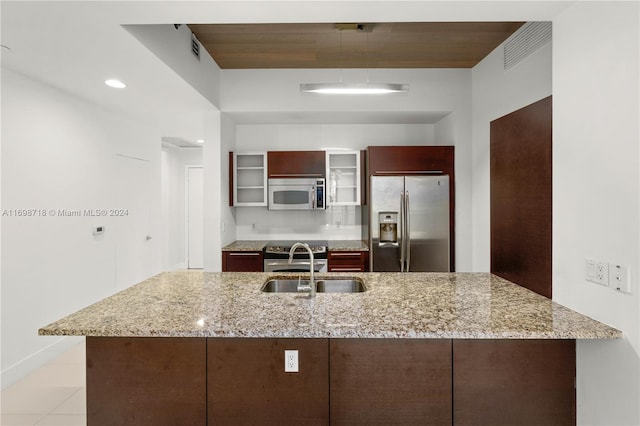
(323,285)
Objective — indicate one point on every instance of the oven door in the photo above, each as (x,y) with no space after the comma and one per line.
(298,265)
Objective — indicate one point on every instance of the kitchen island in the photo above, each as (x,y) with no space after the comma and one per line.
(419,348)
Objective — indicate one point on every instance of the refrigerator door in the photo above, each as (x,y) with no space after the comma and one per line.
(386,193)
(428,223)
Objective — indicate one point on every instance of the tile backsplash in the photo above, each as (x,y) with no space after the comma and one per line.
(334,223)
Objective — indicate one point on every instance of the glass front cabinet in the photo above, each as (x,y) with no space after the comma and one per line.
(250,179)
(343,178)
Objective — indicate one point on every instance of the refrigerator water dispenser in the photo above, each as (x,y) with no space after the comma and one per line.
(388,227)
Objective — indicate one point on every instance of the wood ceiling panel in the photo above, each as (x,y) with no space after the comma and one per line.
(384,45)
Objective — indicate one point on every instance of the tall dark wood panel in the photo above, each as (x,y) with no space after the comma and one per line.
(146,381)
(521,196)
(514,382)
(247,383)
(390,382)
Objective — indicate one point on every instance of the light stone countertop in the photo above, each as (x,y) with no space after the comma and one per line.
(245,245)
(348,245)
(334,245)
(395,305)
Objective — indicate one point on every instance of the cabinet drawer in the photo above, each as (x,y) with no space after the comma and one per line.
(242,261)
(348,261)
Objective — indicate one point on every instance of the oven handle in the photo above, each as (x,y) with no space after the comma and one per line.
(315,262)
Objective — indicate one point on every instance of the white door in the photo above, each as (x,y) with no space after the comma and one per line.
(195,241)
(131,217)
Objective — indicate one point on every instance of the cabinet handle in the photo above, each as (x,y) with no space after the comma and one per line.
(346,270)
(244,254)
(346,254)
(294,174)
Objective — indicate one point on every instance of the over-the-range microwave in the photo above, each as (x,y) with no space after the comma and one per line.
(296,194)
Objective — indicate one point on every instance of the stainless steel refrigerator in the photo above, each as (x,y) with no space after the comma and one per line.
(409,223)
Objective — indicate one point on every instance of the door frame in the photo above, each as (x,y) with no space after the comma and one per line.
(187,167)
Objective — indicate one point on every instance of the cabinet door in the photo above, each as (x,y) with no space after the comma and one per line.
(514,382)
(410,159)
(343,178)
(390,382)
(296,164)
(146,381)
(242,261)
(247,384)
(348,261)
(249,179)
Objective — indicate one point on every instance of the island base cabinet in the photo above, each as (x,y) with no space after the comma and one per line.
(390,382)
(146,381)
(247,383)
(514,382)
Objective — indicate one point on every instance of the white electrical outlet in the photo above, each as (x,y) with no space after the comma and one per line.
(602,273)
(291,361)
(619,278)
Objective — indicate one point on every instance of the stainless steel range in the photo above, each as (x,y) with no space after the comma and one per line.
(276,256)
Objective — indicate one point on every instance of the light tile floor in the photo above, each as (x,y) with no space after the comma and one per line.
(53,395)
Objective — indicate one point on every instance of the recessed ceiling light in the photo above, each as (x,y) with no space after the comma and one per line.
(200,141)
(115,83)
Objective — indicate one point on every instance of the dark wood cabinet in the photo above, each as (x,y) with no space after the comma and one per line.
(348,261)
(242,261)
(514,382)
(146,381)
(296,164)
(246,382)
(417,160)
(401,160)
(220,381)
(390,382)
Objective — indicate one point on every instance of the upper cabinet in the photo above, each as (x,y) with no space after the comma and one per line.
(343,178)
(403,160)
(249,180)
(291,164)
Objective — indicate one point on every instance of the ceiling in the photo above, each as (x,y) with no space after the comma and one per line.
(363,45)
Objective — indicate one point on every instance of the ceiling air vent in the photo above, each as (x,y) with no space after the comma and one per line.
(529,38)
(195,46)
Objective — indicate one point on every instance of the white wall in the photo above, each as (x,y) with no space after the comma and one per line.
(174,162)
(597,194)
(497,92)
(60,152)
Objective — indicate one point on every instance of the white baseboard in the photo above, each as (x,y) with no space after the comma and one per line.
(36,360)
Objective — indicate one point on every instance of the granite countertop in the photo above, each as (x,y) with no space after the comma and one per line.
(334,245)
(245,245)
(348,245)
(395,305)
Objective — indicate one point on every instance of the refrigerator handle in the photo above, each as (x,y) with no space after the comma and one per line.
(407,233)
(402,219)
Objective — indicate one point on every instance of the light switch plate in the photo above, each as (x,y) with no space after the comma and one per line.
(619,278)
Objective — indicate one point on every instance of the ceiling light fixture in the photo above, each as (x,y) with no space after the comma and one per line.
(354,88)
(200,141)
(115,84)
(342,88)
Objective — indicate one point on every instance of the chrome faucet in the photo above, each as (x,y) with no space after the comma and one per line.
(311,288)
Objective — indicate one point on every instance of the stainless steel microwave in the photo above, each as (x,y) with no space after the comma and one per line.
(297,194)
